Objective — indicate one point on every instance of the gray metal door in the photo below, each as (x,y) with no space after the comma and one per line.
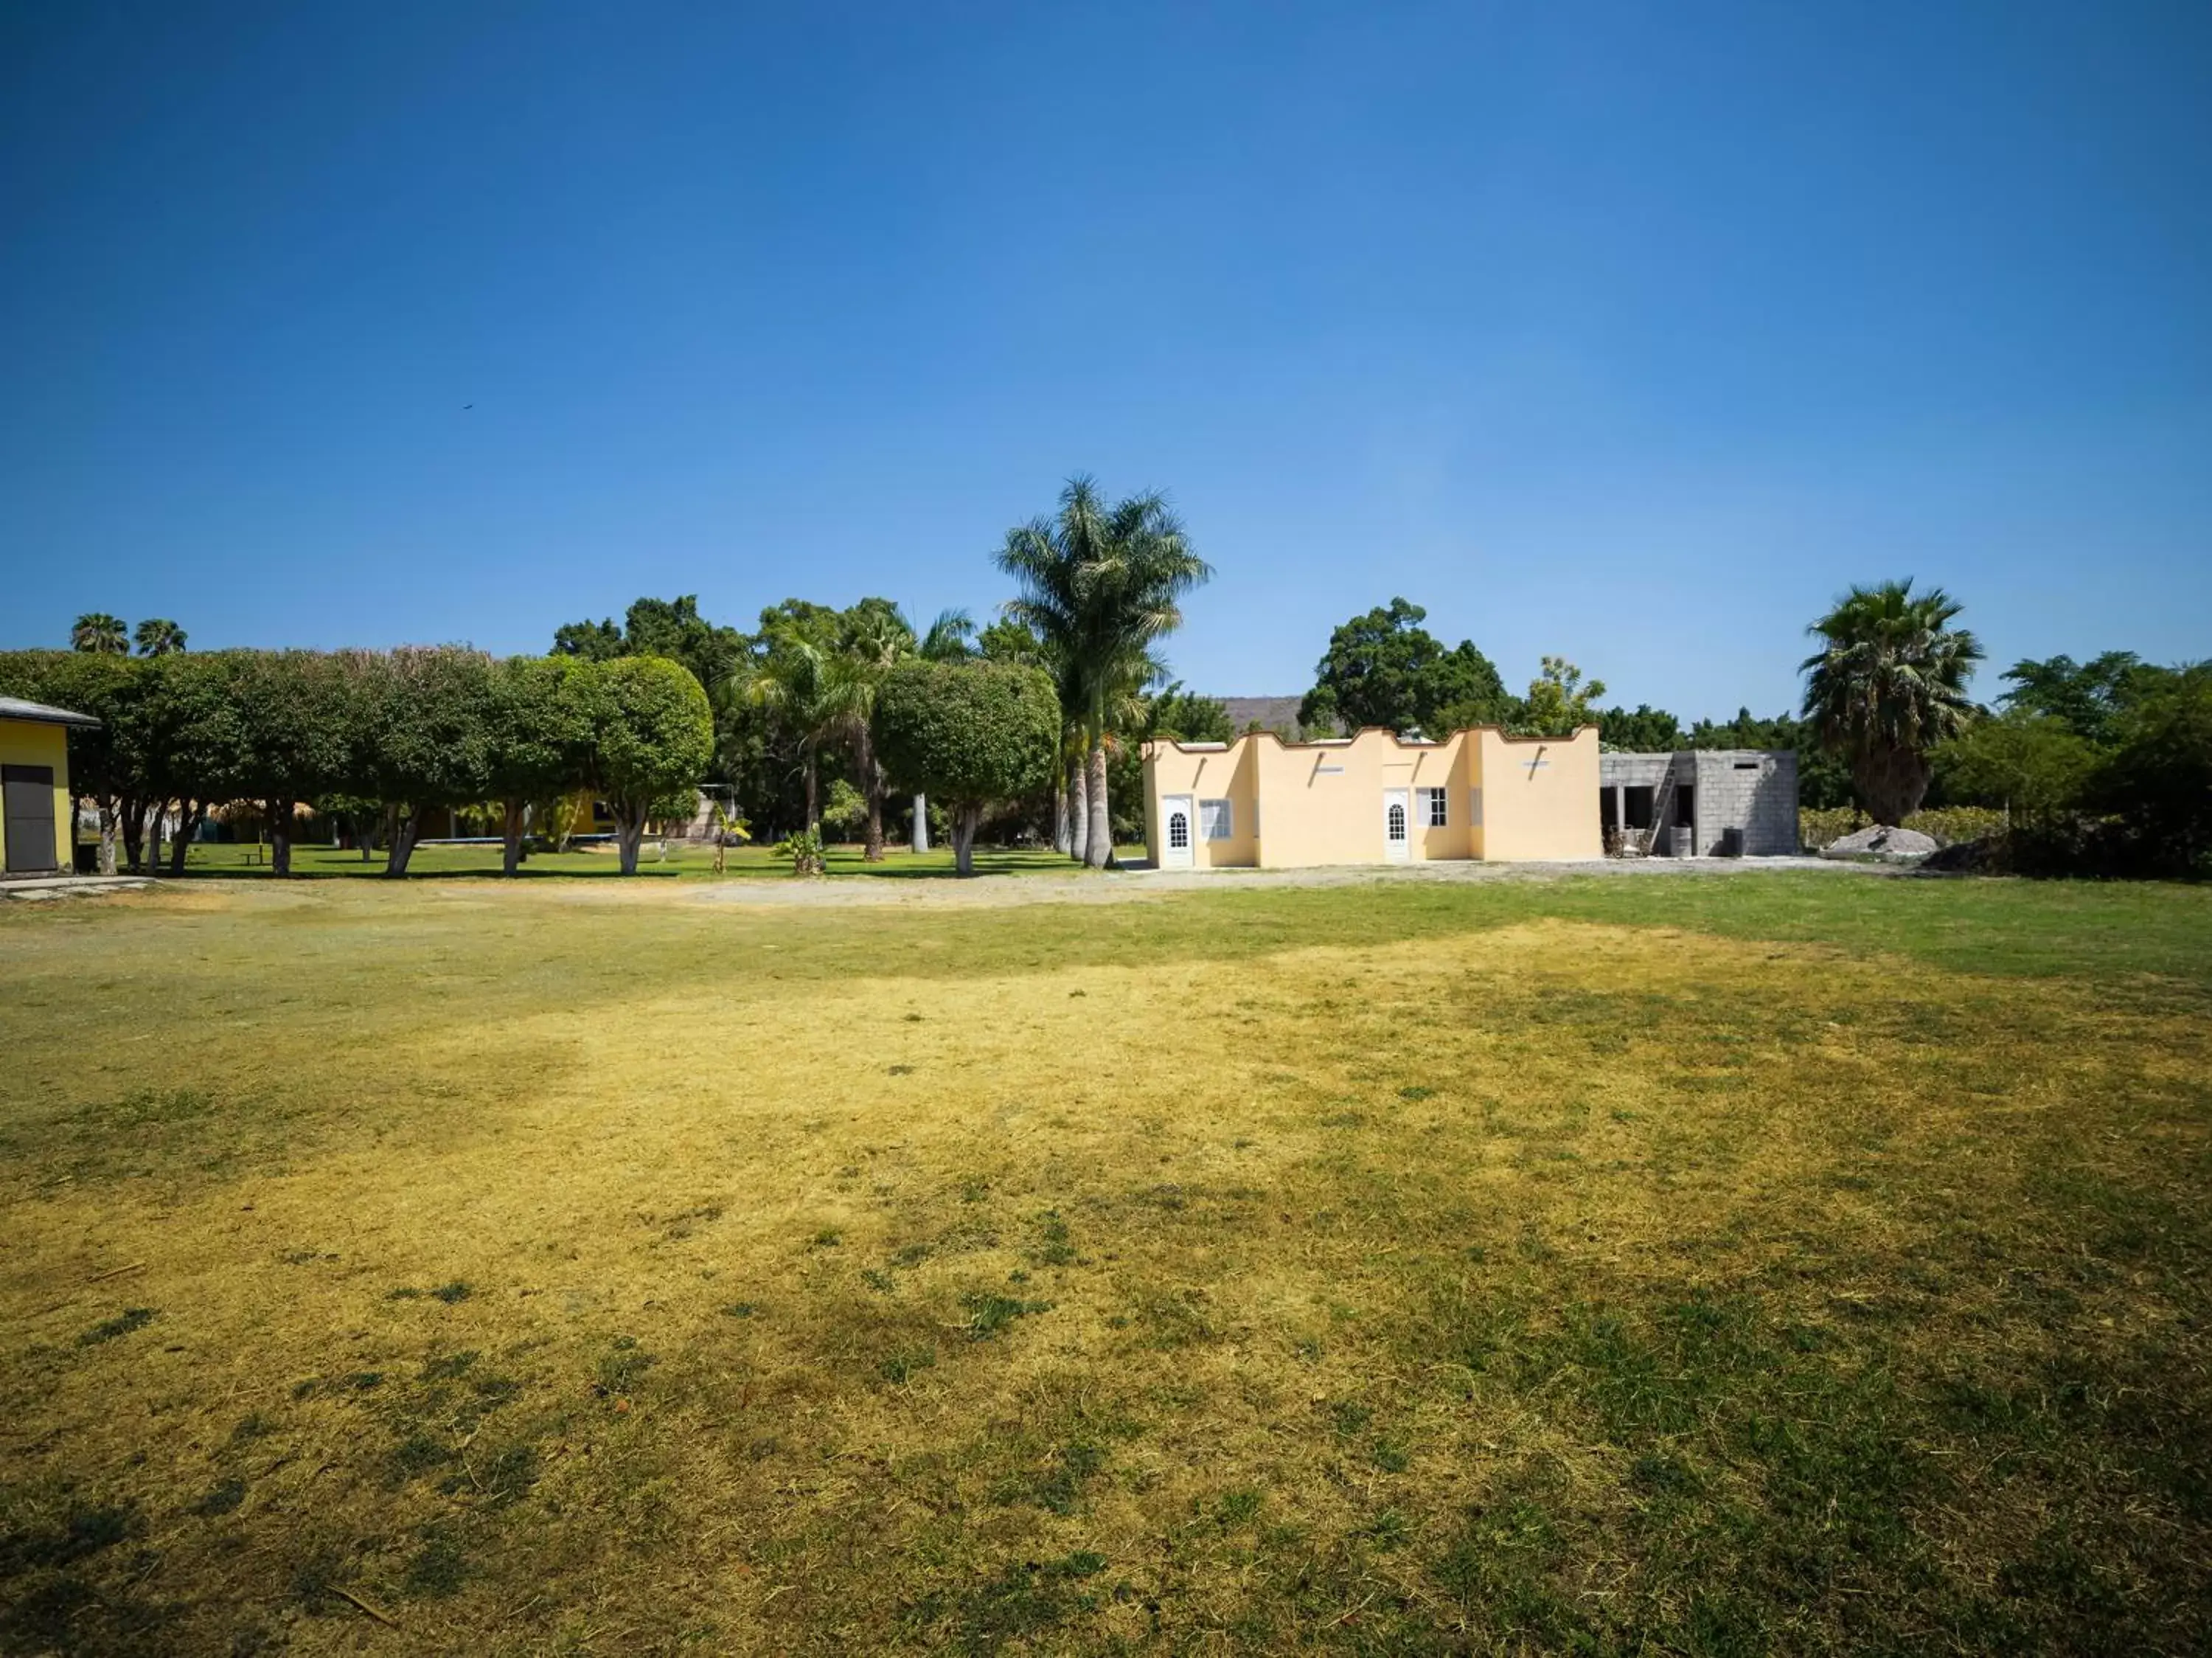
(29,792)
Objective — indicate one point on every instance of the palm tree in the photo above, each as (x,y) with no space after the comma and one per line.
(1049,609)
(1101,586)
(876,638)
(792,680)
(157,636)
(949,638)
(1888,683)
(102,634)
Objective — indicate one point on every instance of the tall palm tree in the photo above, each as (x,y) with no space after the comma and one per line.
(877,637)
(1101,586)
(1889,683)
(102,634)
(1050,609)
(157,636)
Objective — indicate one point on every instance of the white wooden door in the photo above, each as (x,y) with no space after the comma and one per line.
(1397,824)
(1178,827)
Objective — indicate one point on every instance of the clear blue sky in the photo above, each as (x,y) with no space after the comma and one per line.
(1632,332)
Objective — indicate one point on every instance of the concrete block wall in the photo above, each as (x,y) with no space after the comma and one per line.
(1633,771)
(1752,790)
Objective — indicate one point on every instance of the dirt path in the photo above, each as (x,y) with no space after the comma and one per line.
(1131,885)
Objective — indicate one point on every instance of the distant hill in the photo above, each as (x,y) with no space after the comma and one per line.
(1270,713)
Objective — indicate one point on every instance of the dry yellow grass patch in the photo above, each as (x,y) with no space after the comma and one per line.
(1516,1287)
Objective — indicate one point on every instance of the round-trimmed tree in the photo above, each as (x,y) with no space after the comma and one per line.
(653,737)
(426,729)
(541,737)
(969,736)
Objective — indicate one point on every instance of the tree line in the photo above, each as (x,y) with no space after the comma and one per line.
(381,737)
(1384,669)
(641,712)
(790,717)
(1098,586)
(2099,766)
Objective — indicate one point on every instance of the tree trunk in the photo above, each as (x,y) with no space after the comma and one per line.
(279,837)
(1891,782)
(814,818)
(405,826)
(921,841)
(141,845)
(133,815)
(107,838)
(511,860)
(1079,812)
(188,824)
(872,779)
(1063,836)
(966,820)
(629,831)
(1099,852)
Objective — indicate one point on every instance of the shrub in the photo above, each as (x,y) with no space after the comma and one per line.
(846,811)
(1951,825)
(2158,777)
(803,851)
(2031,764)
(1818,826)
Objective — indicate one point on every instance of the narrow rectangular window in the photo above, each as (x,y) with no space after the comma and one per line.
(1435,813)
(1214,819)
(1474,806)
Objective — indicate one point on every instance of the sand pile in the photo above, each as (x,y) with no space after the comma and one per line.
(1879,841)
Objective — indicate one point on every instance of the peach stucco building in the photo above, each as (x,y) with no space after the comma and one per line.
(1260,802)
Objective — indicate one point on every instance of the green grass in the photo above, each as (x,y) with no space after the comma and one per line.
(245,859)
(1776,1262)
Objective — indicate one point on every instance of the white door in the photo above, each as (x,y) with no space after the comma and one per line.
(1397,824)
(1178,824)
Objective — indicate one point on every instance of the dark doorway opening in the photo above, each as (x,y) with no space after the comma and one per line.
(26,797)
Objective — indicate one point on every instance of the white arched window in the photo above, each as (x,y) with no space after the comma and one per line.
(1397,821)
(1178,831)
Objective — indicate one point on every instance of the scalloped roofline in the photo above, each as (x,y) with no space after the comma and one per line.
(1153,744)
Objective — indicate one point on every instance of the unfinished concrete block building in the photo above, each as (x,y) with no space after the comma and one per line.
(1704,802)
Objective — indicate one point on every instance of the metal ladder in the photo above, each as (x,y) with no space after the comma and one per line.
(1662,806)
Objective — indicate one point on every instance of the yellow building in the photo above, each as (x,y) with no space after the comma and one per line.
(37,815)
(1260,802)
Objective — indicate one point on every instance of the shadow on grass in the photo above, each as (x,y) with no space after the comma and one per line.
(316,864)
(375,871)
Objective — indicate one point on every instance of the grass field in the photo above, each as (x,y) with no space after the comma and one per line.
(1779,1262)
